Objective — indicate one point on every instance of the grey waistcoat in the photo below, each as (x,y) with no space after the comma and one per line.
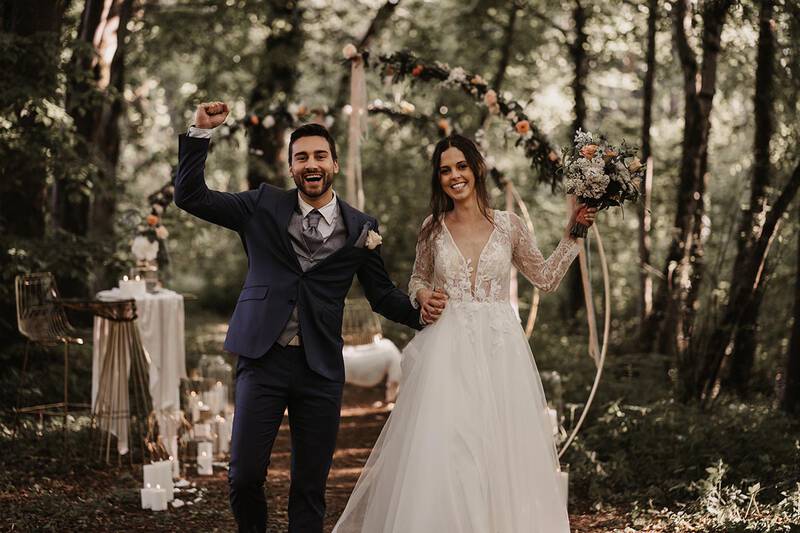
(307,260)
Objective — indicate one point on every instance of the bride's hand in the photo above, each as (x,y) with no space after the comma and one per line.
(431,303)
(210,115)
(582,213)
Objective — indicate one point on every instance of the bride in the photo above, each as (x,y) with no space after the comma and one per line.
(468,447)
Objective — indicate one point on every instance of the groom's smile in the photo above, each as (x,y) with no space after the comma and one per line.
(313,167)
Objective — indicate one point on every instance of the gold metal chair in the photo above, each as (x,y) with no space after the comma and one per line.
(42,320)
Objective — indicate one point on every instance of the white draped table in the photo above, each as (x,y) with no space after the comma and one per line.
(161,327)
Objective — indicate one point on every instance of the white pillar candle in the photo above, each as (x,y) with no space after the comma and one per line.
(223,439)
(147,497)
(204,459)
(164,476)
(174,458)
(194,407)
(158,499)
(151,475)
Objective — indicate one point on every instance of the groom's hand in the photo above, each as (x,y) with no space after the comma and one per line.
(432,303)
(209,115)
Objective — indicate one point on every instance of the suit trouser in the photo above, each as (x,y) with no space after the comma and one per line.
(265,387)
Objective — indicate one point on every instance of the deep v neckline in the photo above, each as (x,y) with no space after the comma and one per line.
(468,262)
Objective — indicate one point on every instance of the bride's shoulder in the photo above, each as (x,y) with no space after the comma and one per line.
(504,218)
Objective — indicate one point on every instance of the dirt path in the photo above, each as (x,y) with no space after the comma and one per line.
(37,496)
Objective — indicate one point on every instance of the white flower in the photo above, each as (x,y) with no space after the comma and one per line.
(162,233)
(349,51)
(268,122)
(407,107)
(457,75)
(373,240)
(582,138)
(158,208)
(143,249)
(586,177)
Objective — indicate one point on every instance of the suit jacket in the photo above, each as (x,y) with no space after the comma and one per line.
(275,281)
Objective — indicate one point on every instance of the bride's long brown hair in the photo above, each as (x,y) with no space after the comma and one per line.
(440,202)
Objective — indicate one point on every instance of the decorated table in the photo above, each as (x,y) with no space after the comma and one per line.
(160,321)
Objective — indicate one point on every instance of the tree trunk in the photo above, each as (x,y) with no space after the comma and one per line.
(747,291)
(580,62)
(275,84)
(71,198)
(35,25)
(735,334)
(676,304)
(791,394)
(751,226)
(645,218)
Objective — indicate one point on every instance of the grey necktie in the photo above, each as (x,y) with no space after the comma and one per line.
(311,232)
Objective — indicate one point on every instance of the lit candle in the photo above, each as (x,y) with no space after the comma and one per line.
(158,499)
(204,459)
(147,497)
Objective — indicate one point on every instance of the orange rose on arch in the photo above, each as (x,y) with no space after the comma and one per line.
(152,220)
(417,71)
(523,127)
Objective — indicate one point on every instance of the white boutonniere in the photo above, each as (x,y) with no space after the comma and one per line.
(373,240)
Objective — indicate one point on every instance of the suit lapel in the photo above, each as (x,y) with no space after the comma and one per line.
(286,207)
(351,219)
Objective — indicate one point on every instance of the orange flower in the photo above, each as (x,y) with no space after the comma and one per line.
(609,154)
(589,150)
(417,71)
(302,110)
(523,127)
(444,126)
(254,120)
(152,220)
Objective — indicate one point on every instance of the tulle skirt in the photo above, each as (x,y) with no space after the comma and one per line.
(468,447)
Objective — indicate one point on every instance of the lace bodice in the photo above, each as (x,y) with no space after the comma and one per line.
(439,263)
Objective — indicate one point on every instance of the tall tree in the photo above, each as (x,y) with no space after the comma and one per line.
(747,287)
(580,64)
(791,395)
(645,218)
(676,304)
(31,67)
(275,84)
(736,332)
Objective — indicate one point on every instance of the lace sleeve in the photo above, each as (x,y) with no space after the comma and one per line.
(422,276)
(546,274)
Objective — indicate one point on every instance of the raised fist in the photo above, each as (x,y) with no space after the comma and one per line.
(210,114)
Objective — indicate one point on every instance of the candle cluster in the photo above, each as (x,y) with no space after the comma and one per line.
(158,487)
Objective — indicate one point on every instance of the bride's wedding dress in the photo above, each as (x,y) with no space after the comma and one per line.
(468,447)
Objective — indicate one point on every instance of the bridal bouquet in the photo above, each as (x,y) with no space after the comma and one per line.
(601,175)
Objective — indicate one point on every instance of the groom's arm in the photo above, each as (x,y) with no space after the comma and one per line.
(384,297)
(230,210)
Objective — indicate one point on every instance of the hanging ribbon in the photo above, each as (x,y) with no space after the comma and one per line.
(356,132)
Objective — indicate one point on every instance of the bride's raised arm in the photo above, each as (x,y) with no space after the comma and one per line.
(422,275)
(546,274)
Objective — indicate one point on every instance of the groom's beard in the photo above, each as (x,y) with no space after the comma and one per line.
(314,189)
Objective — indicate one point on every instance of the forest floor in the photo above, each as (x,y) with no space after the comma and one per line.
(48,493)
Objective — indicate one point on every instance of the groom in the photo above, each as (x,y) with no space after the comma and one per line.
(303,247)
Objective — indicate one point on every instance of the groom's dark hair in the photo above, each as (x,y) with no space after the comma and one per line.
(312,130)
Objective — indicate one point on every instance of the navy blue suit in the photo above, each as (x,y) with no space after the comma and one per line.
(307,380)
